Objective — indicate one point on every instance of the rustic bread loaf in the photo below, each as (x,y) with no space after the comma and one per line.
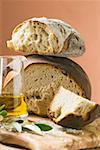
(71,110)
(42,80)
(46,36)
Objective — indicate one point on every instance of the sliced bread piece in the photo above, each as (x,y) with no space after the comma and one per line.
(46,36)
(71,110)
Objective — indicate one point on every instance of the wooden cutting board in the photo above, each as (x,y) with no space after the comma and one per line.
(56,139)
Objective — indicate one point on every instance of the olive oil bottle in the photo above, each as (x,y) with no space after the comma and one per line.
(15,105)
(12,85)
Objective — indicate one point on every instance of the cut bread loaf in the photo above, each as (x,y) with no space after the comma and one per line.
(46,36)
(71,110)
(43,78)
(46,79)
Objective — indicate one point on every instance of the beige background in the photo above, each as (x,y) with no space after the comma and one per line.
(84,15)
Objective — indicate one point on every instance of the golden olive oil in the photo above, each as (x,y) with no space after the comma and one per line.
(15,105)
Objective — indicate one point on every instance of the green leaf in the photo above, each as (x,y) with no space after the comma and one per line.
(44,127)
(17,126)
(33,128)
(2,107)
(3,113)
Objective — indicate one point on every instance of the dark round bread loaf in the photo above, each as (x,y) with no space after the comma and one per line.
(45,74)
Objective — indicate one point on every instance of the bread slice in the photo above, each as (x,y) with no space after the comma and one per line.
(46,36)
(71,110)
(44,75)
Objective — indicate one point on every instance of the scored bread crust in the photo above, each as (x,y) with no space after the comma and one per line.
(46,36)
